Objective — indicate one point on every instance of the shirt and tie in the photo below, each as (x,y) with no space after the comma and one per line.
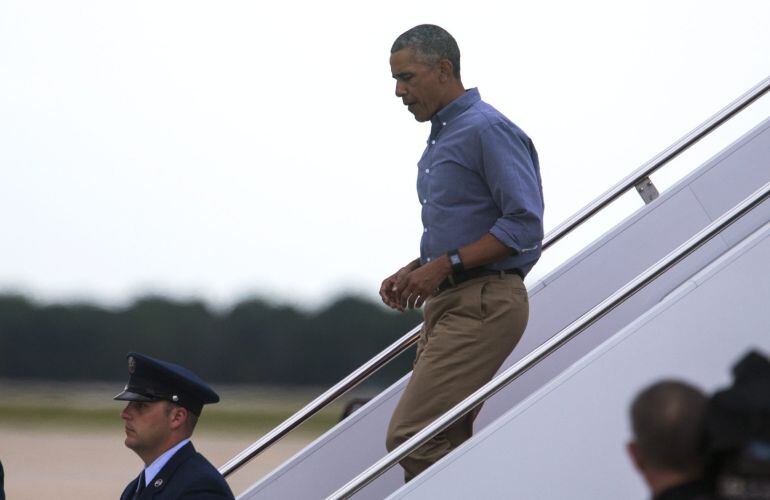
(149,472)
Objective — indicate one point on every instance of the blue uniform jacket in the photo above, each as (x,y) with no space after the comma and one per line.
(188,475)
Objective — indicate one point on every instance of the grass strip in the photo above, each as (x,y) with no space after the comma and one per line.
(251,420)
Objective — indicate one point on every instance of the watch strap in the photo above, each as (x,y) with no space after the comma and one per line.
(456,261)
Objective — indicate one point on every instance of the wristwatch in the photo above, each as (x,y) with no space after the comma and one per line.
(456,261)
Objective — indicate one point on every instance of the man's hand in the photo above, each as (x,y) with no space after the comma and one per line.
(411,289)
(388,287)
(412,284)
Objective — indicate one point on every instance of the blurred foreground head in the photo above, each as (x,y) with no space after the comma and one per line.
(737,433)
(666,419)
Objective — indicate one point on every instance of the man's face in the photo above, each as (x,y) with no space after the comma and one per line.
(417,84)
(147,425)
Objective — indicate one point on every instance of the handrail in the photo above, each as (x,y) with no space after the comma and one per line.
(340,388)
(553,344)
(552,237)
(657,162)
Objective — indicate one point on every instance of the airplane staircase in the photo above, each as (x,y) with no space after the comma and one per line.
(648,298)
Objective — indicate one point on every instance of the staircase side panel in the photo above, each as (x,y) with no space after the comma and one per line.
(567,440)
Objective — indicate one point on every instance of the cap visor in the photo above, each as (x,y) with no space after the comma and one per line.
(133,396)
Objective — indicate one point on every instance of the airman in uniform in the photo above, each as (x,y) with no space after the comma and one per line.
(164,403)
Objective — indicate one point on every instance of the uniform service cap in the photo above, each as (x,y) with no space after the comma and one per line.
(151,379)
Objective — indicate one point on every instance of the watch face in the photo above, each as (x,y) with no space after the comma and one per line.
(456,261)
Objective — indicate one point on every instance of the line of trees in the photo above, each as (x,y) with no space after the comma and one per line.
(254,342)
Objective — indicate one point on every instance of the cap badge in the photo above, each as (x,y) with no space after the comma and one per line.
(174,398)
(158,483)
(131,365)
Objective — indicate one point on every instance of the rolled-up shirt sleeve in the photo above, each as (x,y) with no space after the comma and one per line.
(509,168)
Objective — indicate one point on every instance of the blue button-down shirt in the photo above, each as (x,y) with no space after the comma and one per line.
(480,174)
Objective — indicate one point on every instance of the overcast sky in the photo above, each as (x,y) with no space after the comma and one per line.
(223,149)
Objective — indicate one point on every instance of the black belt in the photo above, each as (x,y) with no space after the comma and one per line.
(457,278)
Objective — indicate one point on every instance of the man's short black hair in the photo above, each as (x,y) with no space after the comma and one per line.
(667,420)
(430,43)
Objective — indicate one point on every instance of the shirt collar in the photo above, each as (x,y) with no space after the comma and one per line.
(457,107)
(152,470)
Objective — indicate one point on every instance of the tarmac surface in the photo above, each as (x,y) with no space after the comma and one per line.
(75,464)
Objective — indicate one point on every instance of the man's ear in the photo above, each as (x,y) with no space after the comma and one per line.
(178,417)
(446,70)
(633,452)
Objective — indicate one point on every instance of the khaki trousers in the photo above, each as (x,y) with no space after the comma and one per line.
(469,331)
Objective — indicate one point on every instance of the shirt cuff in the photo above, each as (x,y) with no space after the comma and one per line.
(504,231)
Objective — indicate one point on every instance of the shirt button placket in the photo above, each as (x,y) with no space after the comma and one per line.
(428,185)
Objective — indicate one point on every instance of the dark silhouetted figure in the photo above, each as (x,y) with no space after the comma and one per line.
(737,433)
